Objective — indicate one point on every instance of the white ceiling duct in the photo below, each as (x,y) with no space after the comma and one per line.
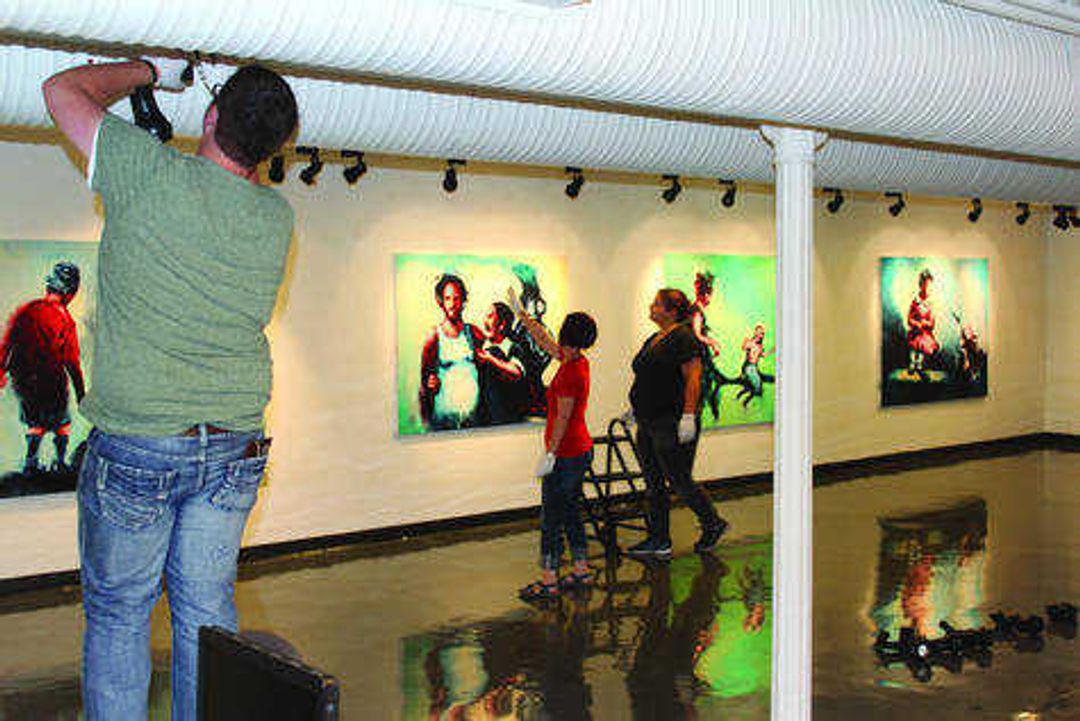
(915,69)
(336,115)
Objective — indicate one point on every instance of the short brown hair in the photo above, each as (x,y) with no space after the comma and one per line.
(256,115)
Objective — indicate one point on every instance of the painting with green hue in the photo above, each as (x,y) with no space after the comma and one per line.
(933,329)
(733,313)
(45,353)
(463,360)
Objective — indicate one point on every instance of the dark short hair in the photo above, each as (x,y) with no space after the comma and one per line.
(503,313)
(675,300)
(256,115)
(446,279)
(703,282)
(578,331)
(925,275)
(64,278)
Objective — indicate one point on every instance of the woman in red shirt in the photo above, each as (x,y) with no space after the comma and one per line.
(567,452)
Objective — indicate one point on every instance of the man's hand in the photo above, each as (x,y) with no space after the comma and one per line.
(687,428)
(433,383)
(175,74)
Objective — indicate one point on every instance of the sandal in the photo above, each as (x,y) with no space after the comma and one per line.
(539,591)
(577,580)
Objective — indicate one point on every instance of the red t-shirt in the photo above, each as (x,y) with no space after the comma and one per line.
(572,380)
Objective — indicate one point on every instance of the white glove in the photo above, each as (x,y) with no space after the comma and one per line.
(687,428)
(172,73)
(514,302)
(545,465)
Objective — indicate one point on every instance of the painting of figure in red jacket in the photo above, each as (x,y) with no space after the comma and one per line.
(41,381)
(934,324)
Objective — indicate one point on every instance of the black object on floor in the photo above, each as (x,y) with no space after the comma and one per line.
(241,679)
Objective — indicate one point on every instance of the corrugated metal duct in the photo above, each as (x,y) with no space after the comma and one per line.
(916,69)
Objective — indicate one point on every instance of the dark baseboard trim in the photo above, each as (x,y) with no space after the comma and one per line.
(324,550)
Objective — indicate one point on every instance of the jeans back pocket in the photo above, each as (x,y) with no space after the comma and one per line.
(240,487)
(132,497)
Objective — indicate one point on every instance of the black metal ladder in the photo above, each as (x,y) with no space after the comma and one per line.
(614,497)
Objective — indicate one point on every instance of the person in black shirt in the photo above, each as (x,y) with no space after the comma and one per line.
(666,400)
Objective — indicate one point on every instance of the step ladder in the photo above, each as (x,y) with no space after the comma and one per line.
(614,487)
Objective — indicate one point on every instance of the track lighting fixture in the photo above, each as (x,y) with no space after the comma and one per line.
(672,192)
(1073,218)
(976,210)
(728,198)
(1025,213)
(577,179)
(313,168)
(898,206)
(1061,221)
(450,180)
(277,169)
(353,172)
(837,200)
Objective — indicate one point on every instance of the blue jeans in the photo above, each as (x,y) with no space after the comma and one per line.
(173,506)
(561,511)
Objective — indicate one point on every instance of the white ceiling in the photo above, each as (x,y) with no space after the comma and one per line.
(919,95)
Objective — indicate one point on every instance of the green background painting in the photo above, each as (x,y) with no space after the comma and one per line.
(744,294)
(23,267)
(486,278)
(959,297)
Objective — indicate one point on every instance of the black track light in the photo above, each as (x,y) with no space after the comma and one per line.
(450,180)
(277,169)
(1025,213)
(976,210)
(672,192)
(1061,221)
(353,172)
(577,179)
(837,199)
(313,168)
(728,198)
(899,203)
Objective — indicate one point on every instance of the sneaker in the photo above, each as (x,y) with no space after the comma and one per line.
(710,537)
(650,549)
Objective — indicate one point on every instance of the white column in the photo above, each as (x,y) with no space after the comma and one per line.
(792,651)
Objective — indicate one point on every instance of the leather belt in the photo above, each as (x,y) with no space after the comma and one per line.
(211,430)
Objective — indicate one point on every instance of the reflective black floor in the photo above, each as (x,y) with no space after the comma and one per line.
(432,630)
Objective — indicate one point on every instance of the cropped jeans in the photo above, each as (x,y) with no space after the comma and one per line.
(560,511)
(154,507)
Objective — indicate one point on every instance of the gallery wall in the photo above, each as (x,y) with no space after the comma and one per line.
(337,464)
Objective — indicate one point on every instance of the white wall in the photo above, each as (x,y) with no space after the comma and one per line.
(1062,332)
(337,465)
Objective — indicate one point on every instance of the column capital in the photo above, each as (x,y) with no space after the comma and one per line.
(793,145)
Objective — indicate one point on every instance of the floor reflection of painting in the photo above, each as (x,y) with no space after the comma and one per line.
(930,570)
(687,635)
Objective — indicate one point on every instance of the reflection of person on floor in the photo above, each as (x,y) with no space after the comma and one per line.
(449,382)
(754,592)
(566,695)
(920,338)
(711,377)
(666,399)
(502,372)
(662,681)
(752,379)
(40,351)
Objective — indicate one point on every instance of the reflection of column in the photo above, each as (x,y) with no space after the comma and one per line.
(792,660)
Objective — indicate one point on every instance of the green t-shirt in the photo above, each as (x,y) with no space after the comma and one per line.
(189,267)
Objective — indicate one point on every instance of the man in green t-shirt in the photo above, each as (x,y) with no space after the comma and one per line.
(192,255)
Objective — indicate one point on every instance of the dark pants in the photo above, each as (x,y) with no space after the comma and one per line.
(663,458)
(561,511)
